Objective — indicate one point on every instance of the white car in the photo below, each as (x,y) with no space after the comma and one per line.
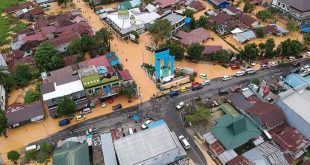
(180,105)
(206,82)
(240,73)
(225,78)
(203,76)
(308,54)
(184,142)
(145,125)
(249,70)
(291,58)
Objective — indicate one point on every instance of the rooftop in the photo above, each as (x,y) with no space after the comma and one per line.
(195,36)
(174,18)
(72,153)
(165,3)
(108,149)
(144,145)
(211,49)
(239,101)
(197,5)
(239,160)
(125,75)
(247,19)
(245,36)
(234,131)
(301,5)
(228,109)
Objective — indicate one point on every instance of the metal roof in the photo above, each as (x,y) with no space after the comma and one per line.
(72,153)
(144,145)
(245,36)
(108,149)
(174,18)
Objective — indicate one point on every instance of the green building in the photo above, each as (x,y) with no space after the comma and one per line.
(72,153)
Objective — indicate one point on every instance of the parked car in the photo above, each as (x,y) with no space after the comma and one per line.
(234,66)
(173,93)
(196,99)
(180,105)
(64,122)
(184,142)
(80,117)
(291,58)
(249,70)
(240,73)
(264,66)
(206,82)
(225,78)
(184,89)
(33,147)
(203,76)
(117,107)
(85,111)
(223,91)
(145,124)
(103,104)
(197,87)
(235,88)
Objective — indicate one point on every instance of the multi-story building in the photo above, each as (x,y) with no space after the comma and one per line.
(177,22)
(298,9)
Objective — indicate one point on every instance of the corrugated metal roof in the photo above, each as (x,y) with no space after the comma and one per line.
(72,153)
(108,149)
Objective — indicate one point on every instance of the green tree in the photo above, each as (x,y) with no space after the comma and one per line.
(66,107)
(292,25)
(65,2)
(6,80)
(222,56)
(13,156)
(189,13)
(175,49)
(47,57)
(3,123)
(264,15)
(129,89)
(75,47)
(202,22)
(46,151)
(136,34)
(31,96)
(23,74)
(290,47)
(199,114)
(194,51)
(87,43)
(307,38)
(30,155)
(189,118)
(255,81)
(102,39)
(269,48)
(248,7)
(260,33)
(249,53)
(160,31)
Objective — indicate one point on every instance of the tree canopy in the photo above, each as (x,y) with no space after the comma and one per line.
(66,107)
(249,53)
(260,33)
(269,48)
(102,40)
(290,47)
(6,80)
(160,31)
(248,7)
(3,122)
(189,13)
(175,50)
(31,96)
(23,74)
(200,114)
(264,15)
(194,51)
(47,57)
(65,2)
(222,56)
(129,89)
(13,156)
(292,25)
(307,38)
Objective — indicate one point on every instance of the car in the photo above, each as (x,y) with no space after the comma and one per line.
(274,64)
(291,58)
(103,104)
(264,66)
(197,87)
(180,105)
(117,107)
(225,78)
(203,76)
(234,66)
(110,100)
(85,111)
(35,147)
(64,122)
(130,131)
(249,70)
(145,124)
(80,117)
(240,73)
(173,93)
(196,99)
(235,88)
(184,142)
(206,82)
(184,89)
(308,54)
(223,91)
(195,83)
(253,64)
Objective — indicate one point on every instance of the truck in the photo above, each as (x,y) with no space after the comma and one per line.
(188,71)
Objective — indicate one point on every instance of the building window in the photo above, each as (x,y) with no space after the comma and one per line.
(115,84)
(90,91)
(279,3)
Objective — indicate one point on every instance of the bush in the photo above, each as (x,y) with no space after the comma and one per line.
(255,81)
(13,156)
(31,96)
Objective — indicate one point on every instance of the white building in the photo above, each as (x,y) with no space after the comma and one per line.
(2,98)
(177,21)
(154,146)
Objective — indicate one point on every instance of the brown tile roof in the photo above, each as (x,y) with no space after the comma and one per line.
(24,60)
(125,75)
(289,139)
(301,5)
(17,7)
(305,163)
(197,5)
(211,49)
(35,37)
(233,9)
(19,113)
(239,160)
(221,18)
(247,20)
(72,59)
(41,23)
(26,31)
(49,29)
(64,38)
(217,147)
(270,29)
(195,36)
(165,3)
(270,115)
(81,28)
(62,76)
(36,11)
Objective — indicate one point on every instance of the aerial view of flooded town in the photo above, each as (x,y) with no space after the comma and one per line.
(155,82)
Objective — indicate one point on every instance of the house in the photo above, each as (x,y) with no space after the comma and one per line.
(239,101)
(165,3)
(239,160)
(98,76)
(244,36)
(33,14)
(155,145)
(19,8)
(72,153)
(112,58)
(232,10)
(266,115)
(248,20)
(234,131)
(209,49)
(20,114)
(266,153)
(220,18)
(298,9)
(195,36)
(2,98)
(196,6)
(221,4)
(125,76)
(59,83)
(63,40)
(273,29)
(291,142)
(177,22)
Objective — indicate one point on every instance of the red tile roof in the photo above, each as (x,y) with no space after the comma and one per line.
(35,37)
(72,59)
(64,38)
(98,61)
(247,20)
(211,49)
(49,29)
(221,18)
(195,36)
(289,139)
(270,115)
(125,75)
(233,9)
(217,147)
(17,7)
(239,160)
(197,5)
(81,28)
(165,3)
(270,29)
(36,11)
(40,23)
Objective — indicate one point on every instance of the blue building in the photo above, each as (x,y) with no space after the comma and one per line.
(166,72)
(221,4)
(112,58)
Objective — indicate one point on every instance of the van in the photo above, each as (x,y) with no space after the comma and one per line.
(184,142)
(33,147)
(85,111)
(130,131)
